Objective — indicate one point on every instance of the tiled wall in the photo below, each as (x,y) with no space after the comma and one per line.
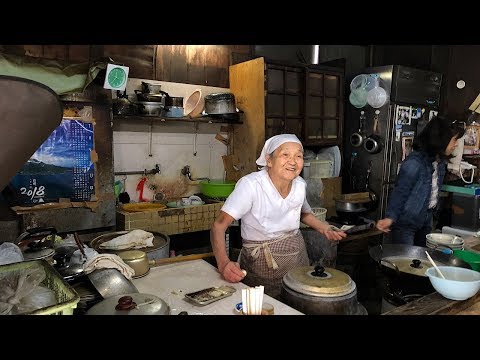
(173,146)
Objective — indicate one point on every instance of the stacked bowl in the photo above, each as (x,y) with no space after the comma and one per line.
(438,240)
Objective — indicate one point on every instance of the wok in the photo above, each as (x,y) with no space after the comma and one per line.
(406,279)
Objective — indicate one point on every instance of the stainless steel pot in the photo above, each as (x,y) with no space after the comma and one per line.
(149,88)
(138,261)
(373,144)
(150,108)
(321,291)
(222,103)
(159,250)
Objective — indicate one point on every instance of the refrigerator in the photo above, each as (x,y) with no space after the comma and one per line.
(377,139)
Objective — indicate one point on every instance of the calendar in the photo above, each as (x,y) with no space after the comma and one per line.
(60,168)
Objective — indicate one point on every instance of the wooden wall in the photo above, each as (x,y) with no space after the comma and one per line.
(455,62)
(189,64)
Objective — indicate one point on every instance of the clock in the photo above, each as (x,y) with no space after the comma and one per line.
(116,77)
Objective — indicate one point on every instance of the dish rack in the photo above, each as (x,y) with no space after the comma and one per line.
(67,298)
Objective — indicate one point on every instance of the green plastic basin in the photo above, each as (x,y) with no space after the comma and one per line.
(217,188)
(469,257)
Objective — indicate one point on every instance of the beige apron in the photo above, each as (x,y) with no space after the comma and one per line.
(268,261)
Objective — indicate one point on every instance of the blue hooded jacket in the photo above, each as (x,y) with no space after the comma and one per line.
(408,203)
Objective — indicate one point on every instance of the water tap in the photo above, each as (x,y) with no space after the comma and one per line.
(186,172)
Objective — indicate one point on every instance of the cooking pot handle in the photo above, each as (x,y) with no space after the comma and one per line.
(382,261)
(36,231)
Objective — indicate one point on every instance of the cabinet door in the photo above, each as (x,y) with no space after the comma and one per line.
(324,108)
(284,100)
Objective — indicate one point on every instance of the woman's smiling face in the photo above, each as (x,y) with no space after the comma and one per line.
(286,162)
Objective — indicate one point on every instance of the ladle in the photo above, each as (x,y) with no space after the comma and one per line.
(435,265)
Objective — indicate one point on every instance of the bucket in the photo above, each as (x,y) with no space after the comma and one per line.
(473,259)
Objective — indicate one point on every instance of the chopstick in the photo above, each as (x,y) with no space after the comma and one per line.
(79,244)
(435,265)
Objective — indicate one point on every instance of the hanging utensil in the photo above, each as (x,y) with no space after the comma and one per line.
(356,139)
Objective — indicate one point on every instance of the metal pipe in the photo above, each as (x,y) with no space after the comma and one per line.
(186,171)
(156,170)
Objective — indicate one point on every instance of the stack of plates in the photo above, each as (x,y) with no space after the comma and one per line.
(453,242)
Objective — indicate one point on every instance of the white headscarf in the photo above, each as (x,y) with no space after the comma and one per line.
(273,143)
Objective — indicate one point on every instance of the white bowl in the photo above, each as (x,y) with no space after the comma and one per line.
(459,283)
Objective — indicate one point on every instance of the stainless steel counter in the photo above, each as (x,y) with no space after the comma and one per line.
(172,282)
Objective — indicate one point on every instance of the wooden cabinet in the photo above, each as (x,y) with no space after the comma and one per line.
(323,122)
(277,98)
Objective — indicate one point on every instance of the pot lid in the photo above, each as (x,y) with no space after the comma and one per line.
(131,304)
(38,254)
(131,255)
(319,281)
(71,270)
(407,264)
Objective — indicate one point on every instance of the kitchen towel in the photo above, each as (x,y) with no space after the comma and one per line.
(108,261)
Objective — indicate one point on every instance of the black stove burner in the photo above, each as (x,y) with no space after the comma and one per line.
(359,223)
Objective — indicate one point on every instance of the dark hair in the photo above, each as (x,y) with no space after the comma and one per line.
(436,136)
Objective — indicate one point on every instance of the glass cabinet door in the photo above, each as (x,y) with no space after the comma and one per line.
(324,107)
(285,100)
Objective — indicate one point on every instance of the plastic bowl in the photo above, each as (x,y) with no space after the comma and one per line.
(459,283)
(217,188)
(469,257)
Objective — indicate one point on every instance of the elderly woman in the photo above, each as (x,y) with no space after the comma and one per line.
(271,202)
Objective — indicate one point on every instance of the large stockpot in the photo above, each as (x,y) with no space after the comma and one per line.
(321,291)
(159,250)
(222,103)
(404,267)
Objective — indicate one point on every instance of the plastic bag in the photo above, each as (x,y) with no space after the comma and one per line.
(16,285)
(314,192)
(10,253)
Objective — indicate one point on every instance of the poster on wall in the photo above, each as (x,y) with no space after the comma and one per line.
(472,137)
(407,142)
(60,168)
(403,115)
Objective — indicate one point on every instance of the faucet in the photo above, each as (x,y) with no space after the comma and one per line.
(186,172)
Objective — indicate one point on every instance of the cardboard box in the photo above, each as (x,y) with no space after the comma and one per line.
(332,187)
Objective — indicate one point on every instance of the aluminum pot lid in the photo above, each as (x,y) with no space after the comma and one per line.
(131,304)
(408,265)
(319,281)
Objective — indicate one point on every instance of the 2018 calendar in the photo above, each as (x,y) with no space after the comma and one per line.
(60,168)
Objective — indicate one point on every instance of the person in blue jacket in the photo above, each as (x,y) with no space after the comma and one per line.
(409,213)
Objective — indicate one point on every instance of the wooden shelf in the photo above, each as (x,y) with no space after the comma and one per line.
(202,119)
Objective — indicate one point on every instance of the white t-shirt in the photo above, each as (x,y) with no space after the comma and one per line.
(265,214)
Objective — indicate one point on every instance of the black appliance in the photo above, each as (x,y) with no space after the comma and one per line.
(372,164)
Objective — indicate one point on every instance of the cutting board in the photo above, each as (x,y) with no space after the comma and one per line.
(231,164)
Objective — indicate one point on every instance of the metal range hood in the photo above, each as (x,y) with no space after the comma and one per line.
(29,112)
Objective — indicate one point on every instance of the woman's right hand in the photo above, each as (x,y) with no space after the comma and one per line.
(384,224)
(232,273)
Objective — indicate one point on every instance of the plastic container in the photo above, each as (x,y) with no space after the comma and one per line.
(67,298)
(469,257)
